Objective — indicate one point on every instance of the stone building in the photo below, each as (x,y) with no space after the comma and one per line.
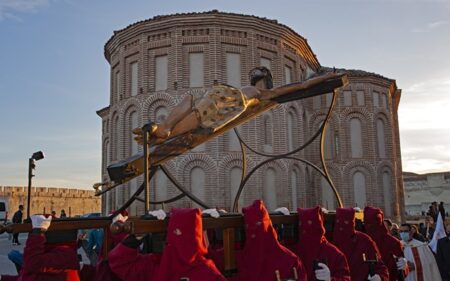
(422,190)
(47,199)
(154,62)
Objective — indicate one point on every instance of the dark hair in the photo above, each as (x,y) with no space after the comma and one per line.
(388,221)
(20,206)
(259,73)
(408,225)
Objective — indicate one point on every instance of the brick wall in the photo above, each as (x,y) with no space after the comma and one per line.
(214,34)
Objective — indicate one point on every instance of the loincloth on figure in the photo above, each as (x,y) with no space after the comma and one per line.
(218,106)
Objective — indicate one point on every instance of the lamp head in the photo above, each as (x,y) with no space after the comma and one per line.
(37,155)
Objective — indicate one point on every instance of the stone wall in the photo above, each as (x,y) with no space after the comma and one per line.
(46,199)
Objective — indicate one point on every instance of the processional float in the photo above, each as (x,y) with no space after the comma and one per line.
(154,157)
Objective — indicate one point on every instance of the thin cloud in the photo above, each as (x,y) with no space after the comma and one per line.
(425,150)
(437,24)
(430,26)
(10,8)
(425,105)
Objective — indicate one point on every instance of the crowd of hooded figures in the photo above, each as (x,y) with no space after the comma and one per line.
(340,255)
(344,253)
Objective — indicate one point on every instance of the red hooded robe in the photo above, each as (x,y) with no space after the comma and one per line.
(103,271)
(313,245)
(262,254)
(184,254)
(48,262)
(387,244)
(354,244)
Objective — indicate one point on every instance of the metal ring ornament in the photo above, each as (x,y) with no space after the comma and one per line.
(325,174)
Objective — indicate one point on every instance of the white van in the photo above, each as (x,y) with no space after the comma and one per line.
(3,211)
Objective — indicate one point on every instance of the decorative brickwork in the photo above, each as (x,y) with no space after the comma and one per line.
(216,34)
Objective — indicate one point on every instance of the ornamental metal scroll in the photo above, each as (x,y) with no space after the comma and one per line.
(272,157)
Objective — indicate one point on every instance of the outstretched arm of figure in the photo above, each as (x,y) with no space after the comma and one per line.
(294,87)
(257,93)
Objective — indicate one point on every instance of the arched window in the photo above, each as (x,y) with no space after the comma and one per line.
(381,139)
(328,144)
(235,181)
(134,72)
(387,192)
(359,187)
(115,138)
(198,183)
(356,138)
(328,200)
(160,181)
(233,62)
(294,187)
(134,123)
(269,191)
(384,101)
(291,131)
(161,71)
(268,133)
(106,154)
(117,85)
(196,74)
(287,74)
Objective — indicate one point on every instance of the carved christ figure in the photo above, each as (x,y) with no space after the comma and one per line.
(221,104)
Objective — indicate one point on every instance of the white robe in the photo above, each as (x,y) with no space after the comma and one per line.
(422,257)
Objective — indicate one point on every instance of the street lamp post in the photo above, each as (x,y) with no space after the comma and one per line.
(35,157)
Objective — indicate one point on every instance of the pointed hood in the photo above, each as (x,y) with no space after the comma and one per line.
(311,236)
(185,248)
(373,224)
(344,229)
(263,254)
(185,234)
(310,225)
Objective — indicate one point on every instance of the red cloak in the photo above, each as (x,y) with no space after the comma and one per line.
(103,271)
(48,263)
(354,244)
(313,245)
(262,254)
(387,244)
(184,253)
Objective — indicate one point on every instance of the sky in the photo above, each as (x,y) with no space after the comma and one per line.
(54,77)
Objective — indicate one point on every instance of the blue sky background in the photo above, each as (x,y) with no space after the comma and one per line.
(53,75)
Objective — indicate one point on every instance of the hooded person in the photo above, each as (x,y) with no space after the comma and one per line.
(125,261)
(103,271)
(263,257)
(185,250)
(389,246)
(183,255)
(322,260)
(49,256)
(358,248)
